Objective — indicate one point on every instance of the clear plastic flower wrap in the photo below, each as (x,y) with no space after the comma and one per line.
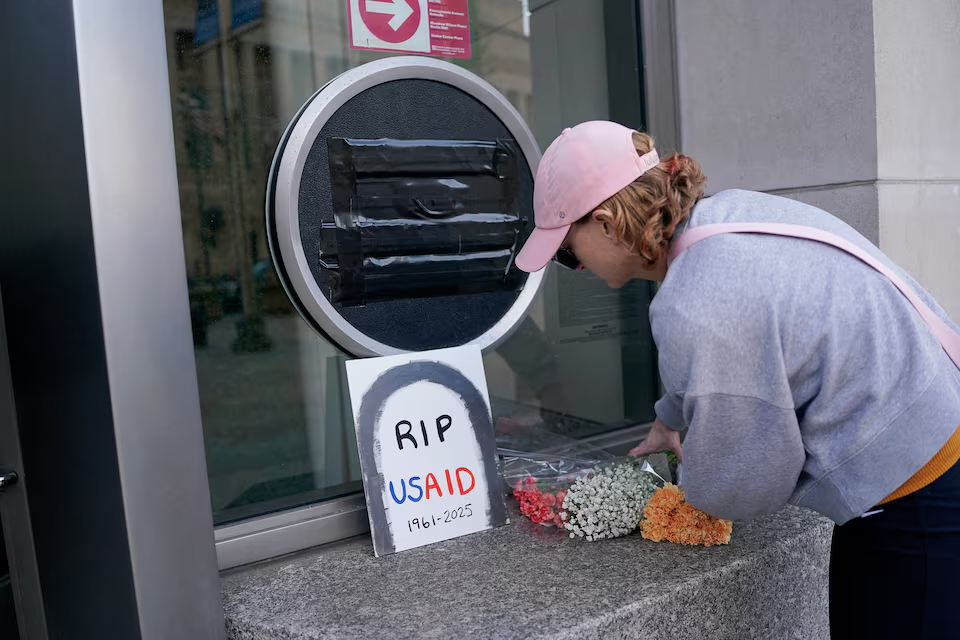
(582,489)
(588,492)
(540,480)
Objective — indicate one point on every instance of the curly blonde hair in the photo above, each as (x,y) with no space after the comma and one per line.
(647,211)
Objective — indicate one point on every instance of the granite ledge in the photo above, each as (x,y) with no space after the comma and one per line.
(527,581)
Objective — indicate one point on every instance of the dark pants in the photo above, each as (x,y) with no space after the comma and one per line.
(896,574)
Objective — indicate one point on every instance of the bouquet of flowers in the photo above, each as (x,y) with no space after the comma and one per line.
(540,475)
(668,517)
(539,501)
(604,502)
(608,503)
(592,494)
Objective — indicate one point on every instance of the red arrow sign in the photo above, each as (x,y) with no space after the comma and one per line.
(391,20)
(433,27)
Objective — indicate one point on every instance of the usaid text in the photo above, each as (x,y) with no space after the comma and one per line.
(451,482)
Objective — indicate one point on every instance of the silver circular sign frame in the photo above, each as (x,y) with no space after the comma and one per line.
(287,173)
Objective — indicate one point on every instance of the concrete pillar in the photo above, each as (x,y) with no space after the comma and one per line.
(918,138)
(779,96)
(849,105)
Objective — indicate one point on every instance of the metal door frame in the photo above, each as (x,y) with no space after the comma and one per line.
(15,512)
(98,327)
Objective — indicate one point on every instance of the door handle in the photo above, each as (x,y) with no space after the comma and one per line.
(7,479)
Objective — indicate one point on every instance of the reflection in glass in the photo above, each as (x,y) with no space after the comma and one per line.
(276,415)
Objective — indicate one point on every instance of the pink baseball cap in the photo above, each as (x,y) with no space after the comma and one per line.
(583,168)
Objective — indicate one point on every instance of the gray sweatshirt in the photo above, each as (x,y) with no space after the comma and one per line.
(802,374)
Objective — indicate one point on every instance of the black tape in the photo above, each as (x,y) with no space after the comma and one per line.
(421,218)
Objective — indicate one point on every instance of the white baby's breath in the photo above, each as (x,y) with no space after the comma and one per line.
(609,502)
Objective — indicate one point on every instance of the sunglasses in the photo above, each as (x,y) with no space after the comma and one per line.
(566,259)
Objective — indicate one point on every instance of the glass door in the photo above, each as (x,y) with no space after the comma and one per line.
(275,410)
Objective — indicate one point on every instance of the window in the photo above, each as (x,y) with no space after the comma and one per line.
(274,403)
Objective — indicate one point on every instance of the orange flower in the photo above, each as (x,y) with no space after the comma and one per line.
(668,517)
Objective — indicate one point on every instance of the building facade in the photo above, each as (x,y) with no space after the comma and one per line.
(167,412)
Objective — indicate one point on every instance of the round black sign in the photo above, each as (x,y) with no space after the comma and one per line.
(398,198)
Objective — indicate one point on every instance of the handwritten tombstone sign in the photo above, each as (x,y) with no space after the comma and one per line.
(427,447)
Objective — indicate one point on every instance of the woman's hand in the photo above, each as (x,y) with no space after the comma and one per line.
(660,438)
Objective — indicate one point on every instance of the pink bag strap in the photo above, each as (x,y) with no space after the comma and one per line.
(949,339)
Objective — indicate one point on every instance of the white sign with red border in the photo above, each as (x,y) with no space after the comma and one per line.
(433,27)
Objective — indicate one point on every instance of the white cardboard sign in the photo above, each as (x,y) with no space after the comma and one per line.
(427,447)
